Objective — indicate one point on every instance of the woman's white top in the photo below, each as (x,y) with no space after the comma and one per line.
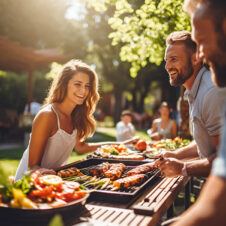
(56,153)
(167,132)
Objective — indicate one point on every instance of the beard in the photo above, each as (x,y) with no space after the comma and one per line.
(218,64)
(182,77)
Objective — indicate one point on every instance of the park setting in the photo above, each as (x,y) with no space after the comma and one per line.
(112,112)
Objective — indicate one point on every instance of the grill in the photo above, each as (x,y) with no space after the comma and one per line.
(127,195)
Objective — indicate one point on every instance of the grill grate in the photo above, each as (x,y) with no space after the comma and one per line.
(119,196)
(126,190)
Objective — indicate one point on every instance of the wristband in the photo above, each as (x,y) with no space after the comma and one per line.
(184,170)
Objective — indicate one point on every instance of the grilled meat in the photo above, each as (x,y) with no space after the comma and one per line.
(100,169)
(129,181)
(115,171)
(68,172)
(141,169)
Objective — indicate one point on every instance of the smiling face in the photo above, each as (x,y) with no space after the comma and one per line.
(211,44)
(178,64)
(164,112)
(78,88)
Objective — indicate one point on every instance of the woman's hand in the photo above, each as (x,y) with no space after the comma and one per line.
(43,171)
(133,140)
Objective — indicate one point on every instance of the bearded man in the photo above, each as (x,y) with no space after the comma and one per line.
(205,108)
(209,32)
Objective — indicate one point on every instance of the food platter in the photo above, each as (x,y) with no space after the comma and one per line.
(142,150)
(17,216)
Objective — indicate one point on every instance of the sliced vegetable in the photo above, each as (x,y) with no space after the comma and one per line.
(51,180)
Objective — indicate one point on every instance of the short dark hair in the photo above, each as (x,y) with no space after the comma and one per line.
(189,6)
(164,104)
(215,9)
(182,37)
(126,112)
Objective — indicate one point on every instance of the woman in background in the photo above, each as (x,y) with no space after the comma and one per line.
(163,127)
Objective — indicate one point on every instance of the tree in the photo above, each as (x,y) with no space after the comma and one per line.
(141,29)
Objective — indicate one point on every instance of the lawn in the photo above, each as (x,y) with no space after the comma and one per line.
(10,158)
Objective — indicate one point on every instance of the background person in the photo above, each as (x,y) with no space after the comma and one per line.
(163,127)
(34,107)
(64,122)
(125,129)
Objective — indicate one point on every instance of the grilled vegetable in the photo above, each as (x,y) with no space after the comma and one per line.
(51,180)
(129,181)
(141,169)
(20,200)
(68,172)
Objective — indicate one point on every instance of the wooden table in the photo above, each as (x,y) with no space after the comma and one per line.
(146,210)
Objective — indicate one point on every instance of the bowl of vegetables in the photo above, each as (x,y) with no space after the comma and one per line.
(35,199)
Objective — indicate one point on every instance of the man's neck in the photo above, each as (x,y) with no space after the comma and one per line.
(188,84)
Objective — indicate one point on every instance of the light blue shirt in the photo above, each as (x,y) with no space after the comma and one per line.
(219,164)
(205,110)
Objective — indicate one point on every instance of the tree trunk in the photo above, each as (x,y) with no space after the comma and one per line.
(118,104)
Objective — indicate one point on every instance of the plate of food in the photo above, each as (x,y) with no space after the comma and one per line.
(116,151)
(35,199)
(170,144)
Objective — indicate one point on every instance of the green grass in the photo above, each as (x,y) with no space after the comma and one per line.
(10,158)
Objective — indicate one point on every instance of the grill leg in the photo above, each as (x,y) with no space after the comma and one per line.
(187,194)
(170,212)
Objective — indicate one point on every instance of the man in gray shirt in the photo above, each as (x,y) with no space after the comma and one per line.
(205,106)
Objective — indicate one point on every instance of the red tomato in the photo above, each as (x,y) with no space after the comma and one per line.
(141,145)
(45,192)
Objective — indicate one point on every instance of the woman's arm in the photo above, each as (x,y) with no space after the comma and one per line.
(154,134)
(42,129)
(82,147)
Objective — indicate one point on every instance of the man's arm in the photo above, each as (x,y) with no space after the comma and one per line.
(200,168)
(209,209)
(171,167)
(187,152)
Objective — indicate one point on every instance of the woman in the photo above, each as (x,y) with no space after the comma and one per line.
(164,127)
(64,122)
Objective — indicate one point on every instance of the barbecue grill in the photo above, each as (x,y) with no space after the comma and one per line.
(126,195)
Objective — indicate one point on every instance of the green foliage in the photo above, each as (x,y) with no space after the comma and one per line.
(56,221)
(13,89)
(54,70)
(142,30)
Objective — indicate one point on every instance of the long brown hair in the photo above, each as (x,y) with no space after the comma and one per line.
(82,115)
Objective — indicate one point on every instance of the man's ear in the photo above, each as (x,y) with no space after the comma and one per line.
(224,26)
(195,59)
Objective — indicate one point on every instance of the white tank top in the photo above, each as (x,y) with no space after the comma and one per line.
(56,153)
